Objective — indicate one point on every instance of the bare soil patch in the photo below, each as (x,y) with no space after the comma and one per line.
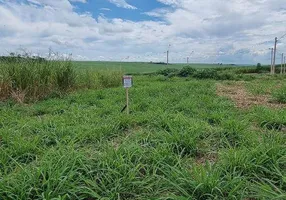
(203,159)
(237,93)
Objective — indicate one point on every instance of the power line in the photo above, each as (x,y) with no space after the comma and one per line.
(282,36)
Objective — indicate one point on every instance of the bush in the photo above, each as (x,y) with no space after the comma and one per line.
(171,75)
(186,71)
(262,69)
(206,74)
(167,71)
(224,68)
(213,73)
(226,76)
(246,70)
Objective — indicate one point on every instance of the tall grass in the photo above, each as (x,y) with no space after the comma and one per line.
(27,79)
(99,79)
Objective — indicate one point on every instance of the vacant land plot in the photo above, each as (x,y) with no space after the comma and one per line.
(182,140)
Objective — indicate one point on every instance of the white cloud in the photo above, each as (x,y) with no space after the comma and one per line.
(159,12)
(105,9)
(171,2)
(122,4)
(237,31)
(59,4)
(81,1)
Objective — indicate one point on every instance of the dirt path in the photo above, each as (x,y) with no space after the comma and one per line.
(237,93)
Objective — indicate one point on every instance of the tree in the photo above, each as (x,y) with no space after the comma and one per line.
(259,66)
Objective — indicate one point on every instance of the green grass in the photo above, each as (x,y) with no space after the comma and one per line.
(280,95)
(138,67)
(181,141)
(275,87)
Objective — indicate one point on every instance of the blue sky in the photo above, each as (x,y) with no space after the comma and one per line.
(99,7)
(210,31)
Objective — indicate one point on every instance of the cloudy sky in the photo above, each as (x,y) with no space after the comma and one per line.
(228,31)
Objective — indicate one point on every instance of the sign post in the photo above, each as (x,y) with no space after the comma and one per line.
(127,83)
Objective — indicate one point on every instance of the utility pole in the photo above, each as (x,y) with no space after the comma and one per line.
(284,64)
(168,57)
(271,65)
(50,52)
(282,60)
(274,56)
(168,51)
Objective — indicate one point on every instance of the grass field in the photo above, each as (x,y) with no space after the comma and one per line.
(139,67)
(184,139)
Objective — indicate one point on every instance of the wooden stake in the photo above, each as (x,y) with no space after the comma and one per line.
(127,83)
(127,102)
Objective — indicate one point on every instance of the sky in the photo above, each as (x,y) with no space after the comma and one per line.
(206,31)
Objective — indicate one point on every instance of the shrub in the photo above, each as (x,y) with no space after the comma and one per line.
(246,70)
(171,75)
(167,71)
(206,74)
(186,71)
(262,69)
(224,68)
(226,76)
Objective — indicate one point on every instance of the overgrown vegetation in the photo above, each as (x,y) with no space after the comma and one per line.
(29,79)
(168,71)
(187,71)
(221,73)
(181,141)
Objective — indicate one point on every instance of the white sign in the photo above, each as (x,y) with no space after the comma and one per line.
(127,81)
